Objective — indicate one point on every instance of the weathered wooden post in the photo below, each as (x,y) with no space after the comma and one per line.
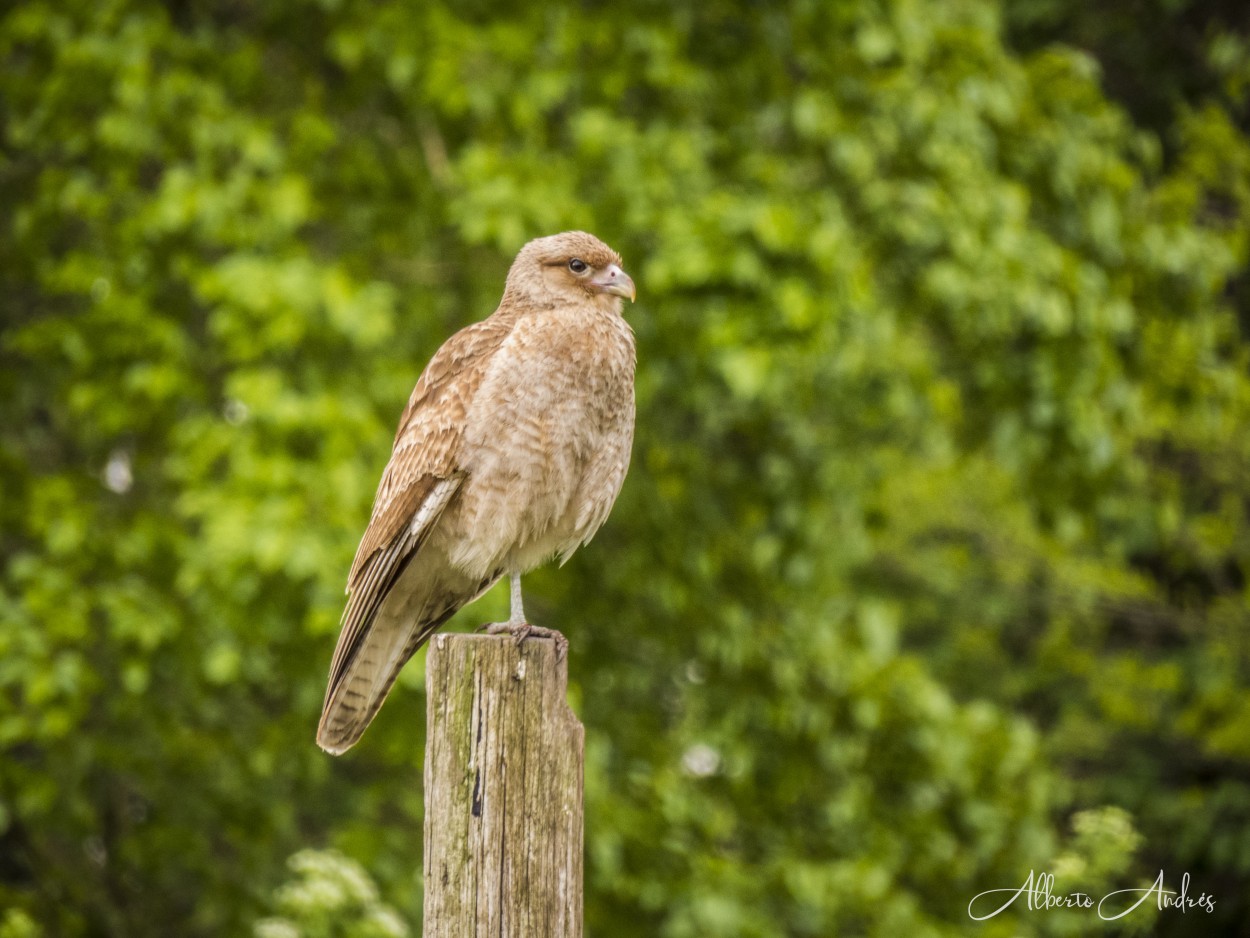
(503,791)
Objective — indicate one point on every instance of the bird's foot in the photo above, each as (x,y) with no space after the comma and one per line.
(520,631)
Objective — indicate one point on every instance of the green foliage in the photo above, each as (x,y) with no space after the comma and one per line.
(18,924)
(931,566)
(1157,56)
(330,897)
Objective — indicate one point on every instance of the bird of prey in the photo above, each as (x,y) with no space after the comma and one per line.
(511,451)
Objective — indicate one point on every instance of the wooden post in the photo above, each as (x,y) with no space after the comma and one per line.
(503,791)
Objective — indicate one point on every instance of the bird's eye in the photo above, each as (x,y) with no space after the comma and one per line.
(577,265)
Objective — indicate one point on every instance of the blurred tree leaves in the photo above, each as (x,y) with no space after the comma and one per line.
(330,896)
(934,545)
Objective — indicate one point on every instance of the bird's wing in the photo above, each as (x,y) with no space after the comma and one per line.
(424,500)
(422,477)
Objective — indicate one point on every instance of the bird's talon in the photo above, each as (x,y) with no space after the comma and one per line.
(520,632)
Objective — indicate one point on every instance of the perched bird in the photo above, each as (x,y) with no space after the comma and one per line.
(511,451)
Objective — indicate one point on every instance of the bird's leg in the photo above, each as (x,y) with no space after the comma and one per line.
(516,608)
(517,627)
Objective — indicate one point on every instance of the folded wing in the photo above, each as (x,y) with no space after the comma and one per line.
(381,631)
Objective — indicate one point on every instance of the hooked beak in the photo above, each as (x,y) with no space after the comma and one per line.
(615,281)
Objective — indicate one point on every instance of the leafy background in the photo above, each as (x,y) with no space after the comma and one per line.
(931,566)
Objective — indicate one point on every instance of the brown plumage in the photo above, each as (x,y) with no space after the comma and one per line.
(511,451)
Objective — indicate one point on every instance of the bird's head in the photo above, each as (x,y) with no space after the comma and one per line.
(572,266)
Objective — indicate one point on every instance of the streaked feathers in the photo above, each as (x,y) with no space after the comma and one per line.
(511,451)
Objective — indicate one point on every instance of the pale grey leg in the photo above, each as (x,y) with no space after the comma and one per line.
(517,615)
(517,627)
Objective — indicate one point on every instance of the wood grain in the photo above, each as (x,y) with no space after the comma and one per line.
(503,791)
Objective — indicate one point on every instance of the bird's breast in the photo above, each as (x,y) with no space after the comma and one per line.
(547,440)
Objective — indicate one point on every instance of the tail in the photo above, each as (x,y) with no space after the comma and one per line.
(374,658)
(355,698)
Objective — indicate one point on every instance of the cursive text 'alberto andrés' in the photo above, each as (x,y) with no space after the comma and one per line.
(1038,891)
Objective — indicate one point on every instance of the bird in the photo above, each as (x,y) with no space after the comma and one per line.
(511,452)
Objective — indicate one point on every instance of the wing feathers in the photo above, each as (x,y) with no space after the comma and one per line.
(428,439)
(420,480)
(380,572)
